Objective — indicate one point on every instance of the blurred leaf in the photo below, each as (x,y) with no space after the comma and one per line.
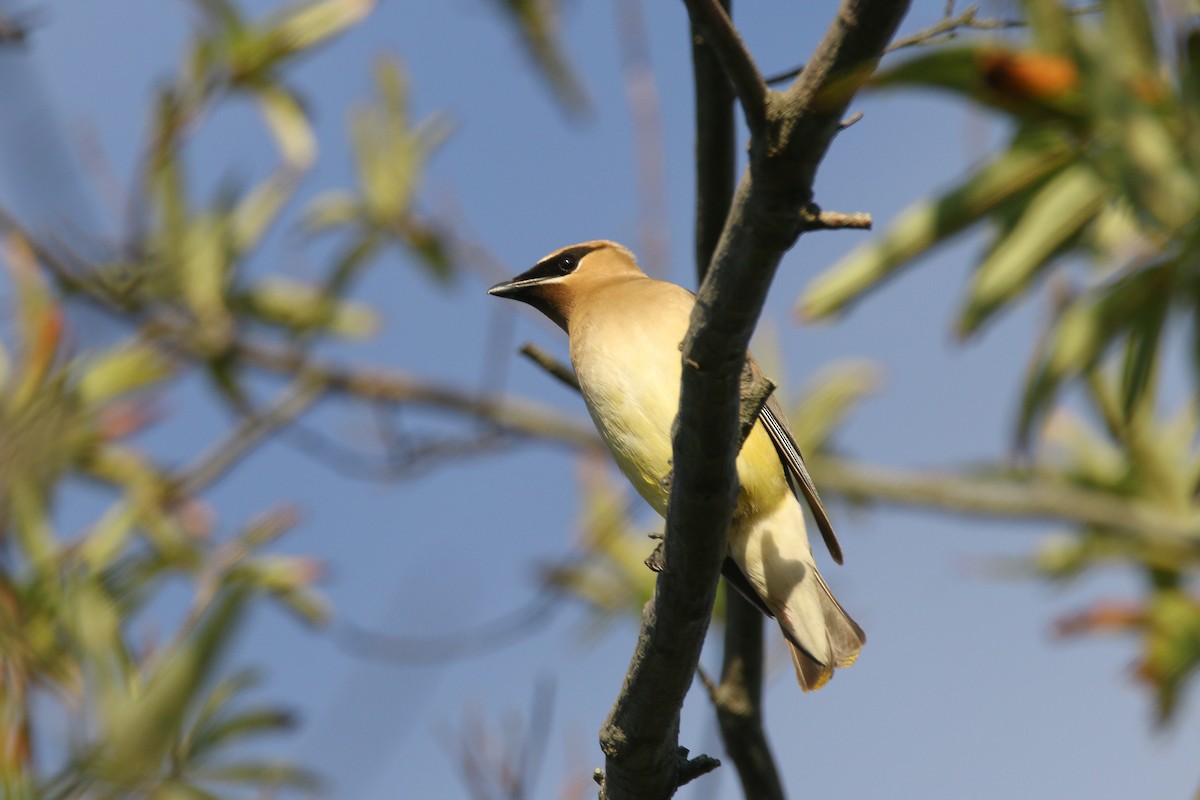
(39,321)
(1032,85)
(109,536)
(289,125)
(204,270)
(1050,220)
(269,526)
(1086,328)
(1172,648)
(121,371)
(1006,178)
(389,154)
(231,49)
(828,398)
(332,210)
(290,579)
(536,22)
(31,523)
(1141,352)
(307,25)
(143,731)
(610,575)
(301,307)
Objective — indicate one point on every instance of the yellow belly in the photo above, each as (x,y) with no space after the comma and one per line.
(629,369)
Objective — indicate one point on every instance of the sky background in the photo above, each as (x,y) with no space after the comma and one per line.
(961,690)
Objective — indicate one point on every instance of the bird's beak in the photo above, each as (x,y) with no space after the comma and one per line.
(518,287)
(535,290)
(509,288)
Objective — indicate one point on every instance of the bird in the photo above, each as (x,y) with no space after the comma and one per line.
(624,330)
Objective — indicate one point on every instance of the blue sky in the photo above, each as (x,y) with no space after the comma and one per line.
(960,692)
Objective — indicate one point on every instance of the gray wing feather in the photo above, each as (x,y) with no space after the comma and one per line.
(775,422)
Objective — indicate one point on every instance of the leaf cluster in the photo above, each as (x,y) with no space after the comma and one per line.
(1099,188)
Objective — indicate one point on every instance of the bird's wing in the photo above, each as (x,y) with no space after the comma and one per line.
(775,422)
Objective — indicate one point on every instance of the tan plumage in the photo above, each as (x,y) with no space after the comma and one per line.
(625,329)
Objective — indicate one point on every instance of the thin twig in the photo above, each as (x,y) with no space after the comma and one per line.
(817,220)
(949,26)
(941,31)
(552,365)
(250,432)
(850,120)
(397,388)
(478,640)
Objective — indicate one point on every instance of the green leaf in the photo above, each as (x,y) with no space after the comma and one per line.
(1051,220)
(332,210)
(108,537)
(300,307)
(1052,25)
(122,371)
(31,523)
(1158,178)
(1129,29)
(143,731)
(1091,322)
(203,272)
(1037,86)
(829,397)
(306,26)
(235,727)
(1083,332)
(258,210)
(289,126)
(931,222)
(1141,352)
(536,22)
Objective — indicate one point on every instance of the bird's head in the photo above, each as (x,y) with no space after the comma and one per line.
(565,278)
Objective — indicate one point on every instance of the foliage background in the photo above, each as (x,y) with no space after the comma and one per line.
(962,690)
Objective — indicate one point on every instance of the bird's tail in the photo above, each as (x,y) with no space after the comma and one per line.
(820,634)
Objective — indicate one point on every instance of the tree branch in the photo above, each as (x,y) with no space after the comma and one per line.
(740,723)
(716,148)
(712,20)
(250,432)
(640,736)
(557,369)
(738,700)
(993,497)
(395,387)
(817,220)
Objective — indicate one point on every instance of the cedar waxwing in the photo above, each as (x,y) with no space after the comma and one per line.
(625,330)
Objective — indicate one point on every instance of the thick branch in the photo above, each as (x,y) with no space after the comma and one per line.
(738,702)
(640,736)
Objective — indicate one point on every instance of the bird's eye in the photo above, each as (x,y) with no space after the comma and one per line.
(566,264)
